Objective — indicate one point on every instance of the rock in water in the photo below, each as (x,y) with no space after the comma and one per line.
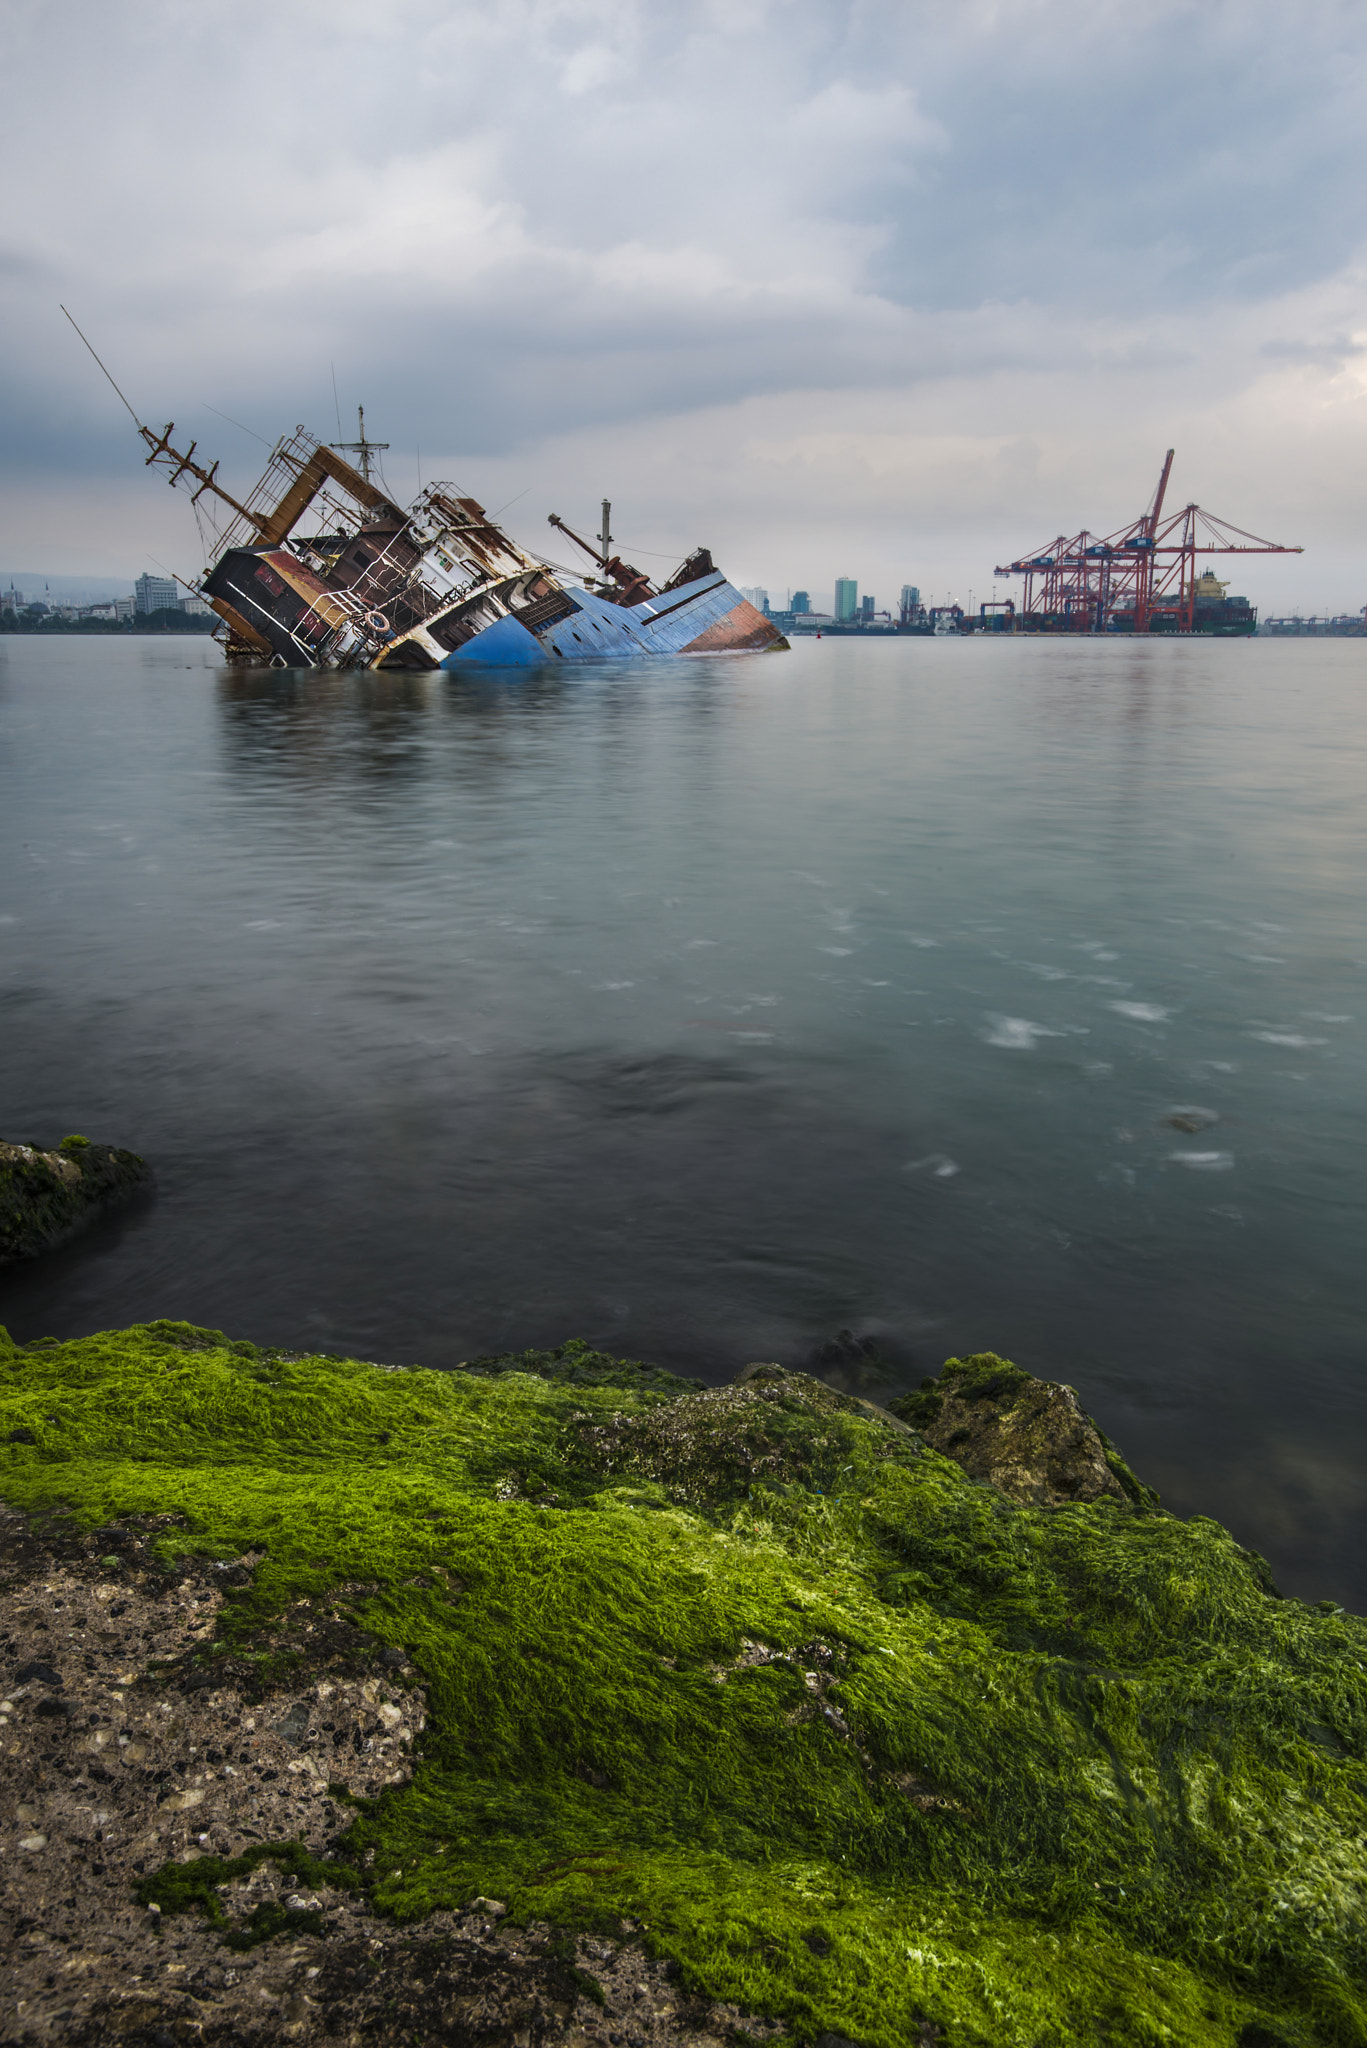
(1029,1438)
(47,1197)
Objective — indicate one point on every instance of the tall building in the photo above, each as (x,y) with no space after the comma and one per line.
(910,599)
(14,599)
(801,602)
(846,599)
(156,594)
(866,605)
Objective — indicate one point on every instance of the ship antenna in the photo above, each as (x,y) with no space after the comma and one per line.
(122,400)
(361,447)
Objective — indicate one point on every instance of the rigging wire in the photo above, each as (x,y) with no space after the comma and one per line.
(236,423)
(659,554)
(199,528)
(176,578)
(127,407)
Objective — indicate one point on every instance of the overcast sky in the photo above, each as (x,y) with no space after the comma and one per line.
(891,289)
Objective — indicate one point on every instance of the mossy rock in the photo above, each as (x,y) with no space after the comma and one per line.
(47,1197)
(1027,1437)
(576,1364)
(852,1738)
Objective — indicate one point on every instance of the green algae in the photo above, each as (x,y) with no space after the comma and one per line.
(853,1738)
(577,1364)
(195,1886)
(983,1377)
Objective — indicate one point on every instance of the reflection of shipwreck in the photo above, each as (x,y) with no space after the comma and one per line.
(318,567)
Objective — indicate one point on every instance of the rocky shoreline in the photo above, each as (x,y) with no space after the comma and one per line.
(555,1700)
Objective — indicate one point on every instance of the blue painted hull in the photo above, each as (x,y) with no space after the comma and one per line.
(706,616)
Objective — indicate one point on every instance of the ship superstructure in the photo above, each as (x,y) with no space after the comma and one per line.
(320,567)
(317,566)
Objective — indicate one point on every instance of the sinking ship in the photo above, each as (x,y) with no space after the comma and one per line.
(318,567)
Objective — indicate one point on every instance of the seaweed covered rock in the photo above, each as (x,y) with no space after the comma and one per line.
(1027,1437)
(770,1433)
(47,1197)
(742,1711)
(577,1364)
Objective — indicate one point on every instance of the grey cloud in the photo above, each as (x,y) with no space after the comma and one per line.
(1330,354)
(512,224)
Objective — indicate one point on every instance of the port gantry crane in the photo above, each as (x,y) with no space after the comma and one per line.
(1141,579)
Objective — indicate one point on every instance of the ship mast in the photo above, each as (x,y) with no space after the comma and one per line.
(360,446)
(164,453)
(170,458)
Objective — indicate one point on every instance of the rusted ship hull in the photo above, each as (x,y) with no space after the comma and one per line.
(321,568)
(281,609)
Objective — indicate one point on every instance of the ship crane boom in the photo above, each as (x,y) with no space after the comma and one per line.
(632,585)
(554,519)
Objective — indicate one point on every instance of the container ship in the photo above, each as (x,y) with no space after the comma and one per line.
(318,567)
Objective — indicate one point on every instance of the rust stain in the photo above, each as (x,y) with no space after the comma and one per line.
(742,629)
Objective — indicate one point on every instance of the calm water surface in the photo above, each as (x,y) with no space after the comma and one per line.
(711,1009)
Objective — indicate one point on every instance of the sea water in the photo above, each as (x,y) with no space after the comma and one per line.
(954,995)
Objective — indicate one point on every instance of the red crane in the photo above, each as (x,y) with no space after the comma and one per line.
(1141,579)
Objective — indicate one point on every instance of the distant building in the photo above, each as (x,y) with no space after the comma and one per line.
(124,607)
(801,602)
(809,622)
(909,599)
(14,600)
(156,594)
(866,607)
(99,611)
(196,607)
(846,599)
